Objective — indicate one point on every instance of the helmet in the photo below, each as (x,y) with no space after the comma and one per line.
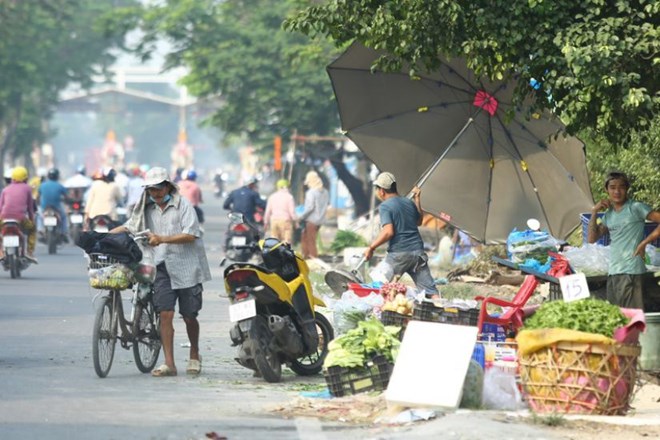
(191,175)
(19,174)
(98,175)
(109,174)
(282,183)
(53,174)
(80,169)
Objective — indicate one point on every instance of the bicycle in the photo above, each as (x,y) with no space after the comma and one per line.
(140,331)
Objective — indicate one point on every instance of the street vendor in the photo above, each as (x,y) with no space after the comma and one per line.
(399,220)
(624,221)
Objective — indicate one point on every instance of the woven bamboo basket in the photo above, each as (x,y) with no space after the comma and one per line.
(571,377)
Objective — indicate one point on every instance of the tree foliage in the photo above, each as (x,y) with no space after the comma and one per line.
(46,45)
(598,61)
(640,160)
(237,53)
(264,80)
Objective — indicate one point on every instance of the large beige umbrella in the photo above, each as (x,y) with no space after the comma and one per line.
(484,165)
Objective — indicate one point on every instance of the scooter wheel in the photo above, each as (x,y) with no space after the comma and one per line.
(266,360)
(313,363)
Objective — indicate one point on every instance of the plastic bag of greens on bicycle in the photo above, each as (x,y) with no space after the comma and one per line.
(116,276)
(145,272)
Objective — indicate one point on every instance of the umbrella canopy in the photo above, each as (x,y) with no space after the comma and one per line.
(486,165)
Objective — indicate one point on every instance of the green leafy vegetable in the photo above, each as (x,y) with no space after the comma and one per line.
(344,239)
(586,315)
(368,339)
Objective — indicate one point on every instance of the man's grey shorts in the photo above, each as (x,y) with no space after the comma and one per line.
(190,298)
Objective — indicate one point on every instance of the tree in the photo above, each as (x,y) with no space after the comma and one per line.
(598,61)
(46,45)
(640,160)
(266,81)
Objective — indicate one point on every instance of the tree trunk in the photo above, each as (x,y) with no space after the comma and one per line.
(354,185)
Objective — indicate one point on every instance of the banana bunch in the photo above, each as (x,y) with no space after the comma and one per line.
(399,304)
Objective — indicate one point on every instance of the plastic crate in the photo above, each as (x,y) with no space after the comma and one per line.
(374,376)
(361,290)
(427,311)
(605,239)
(389,317)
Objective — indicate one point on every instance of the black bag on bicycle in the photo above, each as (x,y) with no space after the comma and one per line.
(121,246)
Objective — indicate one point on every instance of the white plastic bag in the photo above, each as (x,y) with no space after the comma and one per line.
(500,390)
(382,273)
(146,268)
(351,309)
(590,259)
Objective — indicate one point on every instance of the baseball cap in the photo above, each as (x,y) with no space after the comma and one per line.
(385,180)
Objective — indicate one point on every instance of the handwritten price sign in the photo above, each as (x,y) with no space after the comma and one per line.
(574,287)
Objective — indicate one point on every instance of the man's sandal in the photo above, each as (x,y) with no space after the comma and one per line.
(194,366)
(163,371)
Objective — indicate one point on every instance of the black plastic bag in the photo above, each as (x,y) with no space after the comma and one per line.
(120,246)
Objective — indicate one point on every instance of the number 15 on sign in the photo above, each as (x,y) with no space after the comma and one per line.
(574,287)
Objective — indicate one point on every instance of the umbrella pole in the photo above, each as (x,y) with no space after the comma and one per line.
(435,164)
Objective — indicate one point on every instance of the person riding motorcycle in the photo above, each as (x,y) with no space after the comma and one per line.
(51,195)
(189,189)
(245,200)
(104,196)
(16,203)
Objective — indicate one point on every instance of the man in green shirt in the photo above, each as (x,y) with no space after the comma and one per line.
(624,221)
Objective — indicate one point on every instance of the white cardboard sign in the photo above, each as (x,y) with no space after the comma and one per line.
(574,287)
(431,367)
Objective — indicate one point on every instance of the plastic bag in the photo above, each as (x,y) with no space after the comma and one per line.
(116,276)
(145,272)
(652,255)
(382,273)
(528,244)
(351,309)
(590,259)
(500,390)
(473,386)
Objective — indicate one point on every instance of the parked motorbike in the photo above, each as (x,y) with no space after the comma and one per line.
(273,311)
(241,238)
(53,235)
(14,242)
(76,216)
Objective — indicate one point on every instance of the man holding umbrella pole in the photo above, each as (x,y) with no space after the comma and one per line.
(399,220)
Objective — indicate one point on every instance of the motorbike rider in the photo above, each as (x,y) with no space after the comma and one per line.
(51,195)
(134,188)
(245,200)
(77,185)
(189,189)
(103,197)
(16,202)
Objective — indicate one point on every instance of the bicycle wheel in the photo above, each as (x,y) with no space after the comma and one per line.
(104,337)
(146,334)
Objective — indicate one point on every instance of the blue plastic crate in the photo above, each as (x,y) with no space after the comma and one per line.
(493,332)
(605,239)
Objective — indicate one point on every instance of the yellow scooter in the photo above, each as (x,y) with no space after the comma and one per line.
(273,311)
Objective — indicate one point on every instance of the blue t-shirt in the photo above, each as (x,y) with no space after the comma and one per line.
(51,193)
(626,229)
(403,215)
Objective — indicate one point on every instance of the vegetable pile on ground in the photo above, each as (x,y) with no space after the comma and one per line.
(588,315)
(344,239)
(357,346)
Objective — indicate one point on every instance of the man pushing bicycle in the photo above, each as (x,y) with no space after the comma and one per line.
(181,263)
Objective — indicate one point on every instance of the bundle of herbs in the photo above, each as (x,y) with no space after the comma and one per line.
(344,239)
(588,315)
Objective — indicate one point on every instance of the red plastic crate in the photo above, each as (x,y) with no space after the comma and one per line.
(361,290)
